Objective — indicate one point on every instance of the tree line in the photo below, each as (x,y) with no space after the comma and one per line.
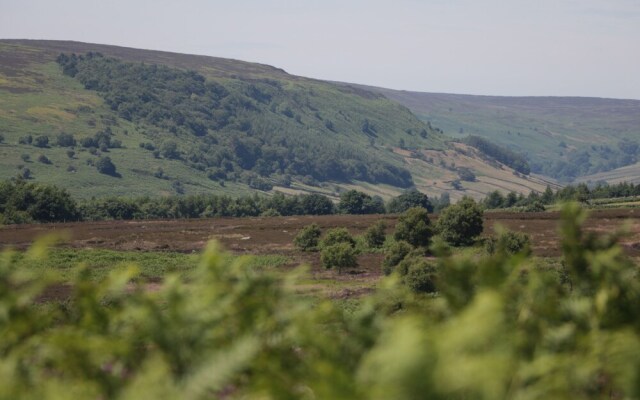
(581,192)
(22,201)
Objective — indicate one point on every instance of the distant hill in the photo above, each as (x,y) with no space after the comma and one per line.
(563,137)
(630,174)
(104,120)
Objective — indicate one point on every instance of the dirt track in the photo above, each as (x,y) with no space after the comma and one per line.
(274,235)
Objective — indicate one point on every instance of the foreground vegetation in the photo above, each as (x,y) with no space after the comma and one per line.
(495,327)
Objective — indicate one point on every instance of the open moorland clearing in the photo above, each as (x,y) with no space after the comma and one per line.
(274,235)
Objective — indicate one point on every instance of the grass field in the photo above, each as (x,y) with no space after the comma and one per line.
(153,266)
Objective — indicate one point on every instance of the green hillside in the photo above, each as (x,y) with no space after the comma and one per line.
(563,137)
(103,120)
(180,123)
(630,174)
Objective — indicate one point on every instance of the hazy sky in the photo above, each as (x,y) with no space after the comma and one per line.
(500,47)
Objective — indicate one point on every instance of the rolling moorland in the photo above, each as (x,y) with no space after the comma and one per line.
(567,138)
(172,124)
(511,297)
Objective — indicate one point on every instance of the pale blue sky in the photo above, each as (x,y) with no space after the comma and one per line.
(493,47)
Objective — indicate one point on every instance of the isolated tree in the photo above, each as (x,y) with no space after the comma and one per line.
(307,238)
(41,141)
(27,139)
(409,199)
(354,202)
(65,140)
(461,223)
(104,165)
(375,235)
(466,174)
(44,159)
(414,227)
(509,242)
(340,256)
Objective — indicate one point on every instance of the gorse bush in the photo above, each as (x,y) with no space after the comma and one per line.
(341,256)
(418,274)
(414,227)
(337,235)
(498,328)
(508,242)
(307,238)
(375,236)
(461,223)
(395,253)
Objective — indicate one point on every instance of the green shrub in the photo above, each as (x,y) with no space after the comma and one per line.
(104,165)
(509,242)
(44,159)
(270,212)
(375,235)
(394,255)
(418,274)
(41,141)
(27,139)
(65,140)
(335,236)
(414,227)
(536,206)
(354,202)
(340,256)
(307,238)
(461,223)
(409,199)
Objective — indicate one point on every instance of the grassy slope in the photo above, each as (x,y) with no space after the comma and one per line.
(37,99)
(533,125)
(630,173)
